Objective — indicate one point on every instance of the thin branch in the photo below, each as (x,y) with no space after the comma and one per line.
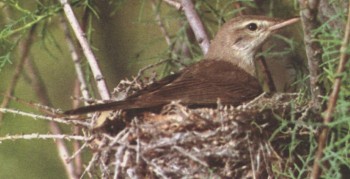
(175,4)
(41,92)
(266,74)
(144,69)
(101,84)
(80,86)
(77,148)
(196,25)
(156,169)
(316,172)
(44,136)
(76,59)
(24,56)
(77,152)
(160,23)
(41,107)
(308,15)
(189,155)
(118,161)
(93,161)
(182,47)
(48,118)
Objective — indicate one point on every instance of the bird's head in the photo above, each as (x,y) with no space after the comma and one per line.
(239,39)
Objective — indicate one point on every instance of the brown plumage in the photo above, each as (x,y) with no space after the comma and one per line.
(227,72)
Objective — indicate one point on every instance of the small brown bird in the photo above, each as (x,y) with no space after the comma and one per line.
(227,71)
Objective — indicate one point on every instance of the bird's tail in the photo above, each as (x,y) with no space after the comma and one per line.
(115,105)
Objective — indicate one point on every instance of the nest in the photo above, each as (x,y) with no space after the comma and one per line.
(248,141)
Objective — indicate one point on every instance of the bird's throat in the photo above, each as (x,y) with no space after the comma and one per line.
(248,66)
(243,60)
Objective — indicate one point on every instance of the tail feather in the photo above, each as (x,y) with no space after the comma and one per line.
(115,105)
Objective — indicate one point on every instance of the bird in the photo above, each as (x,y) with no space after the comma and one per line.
(226,73)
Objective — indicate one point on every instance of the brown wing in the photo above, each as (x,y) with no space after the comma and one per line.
(200,84)
(204,83)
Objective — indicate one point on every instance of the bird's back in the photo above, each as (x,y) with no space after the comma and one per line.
(201,84)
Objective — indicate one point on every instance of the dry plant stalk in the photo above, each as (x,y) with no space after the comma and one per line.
(308,16)
(24,57)
(196,24)
(101,84)
(333,97)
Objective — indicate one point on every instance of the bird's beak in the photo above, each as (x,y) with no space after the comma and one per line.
(283,24)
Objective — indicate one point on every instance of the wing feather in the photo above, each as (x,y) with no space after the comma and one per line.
(204,83)
(200,84)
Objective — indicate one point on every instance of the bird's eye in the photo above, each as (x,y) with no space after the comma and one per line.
(252,26)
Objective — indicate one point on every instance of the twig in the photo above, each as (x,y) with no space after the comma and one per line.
(184,46)
(254,169)
(316,171)
(40,91)
(48,118)
(142,70)
(44,136)
(77,153)
(62,150)
(118,161)
(175,4)
(267,74)
(189,155)
(41,107)
(105,173)
(101,84)
(138,141)
(160,23)
(157,169)
(24,56)
(196,25)
(308,15)
(76,59)
(96,158)
(92,162)
(80,87)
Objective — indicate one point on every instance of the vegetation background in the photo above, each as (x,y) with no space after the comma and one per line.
(126,36)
